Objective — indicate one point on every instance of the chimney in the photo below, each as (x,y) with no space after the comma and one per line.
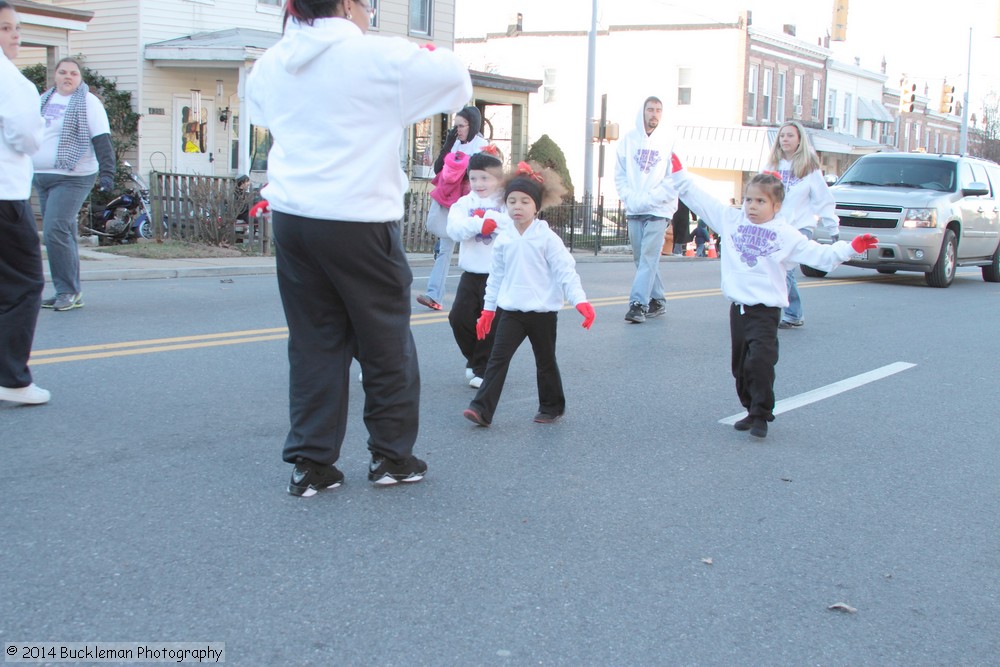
(516,25)
(788,29)
(884,64)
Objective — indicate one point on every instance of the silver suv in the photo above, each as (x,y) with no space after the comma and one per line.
(931,213)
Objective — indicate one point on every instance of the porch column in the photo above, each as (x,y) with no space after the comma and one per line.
(243,165)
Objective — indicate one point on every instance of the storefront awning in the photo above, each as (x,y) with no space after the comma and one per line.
(725,148)
(873,110)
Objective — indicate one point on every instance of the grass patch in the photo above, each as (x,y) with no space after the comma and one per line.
(169,249)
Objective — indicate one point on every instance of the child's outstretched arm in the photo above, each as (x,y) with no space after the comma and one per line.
(464,224)
(705,206)
(829,257)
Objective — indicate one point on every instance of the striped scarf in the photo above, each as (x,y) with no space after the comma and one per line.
(74,140)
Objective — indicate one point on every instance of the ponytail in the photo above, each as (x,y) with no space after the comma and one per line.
(306,11)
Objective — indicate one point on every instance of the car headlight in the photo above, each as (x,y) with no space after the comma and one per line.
(920,217)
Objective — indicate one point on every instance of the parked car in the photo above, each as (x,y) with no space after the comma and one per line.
(931,213)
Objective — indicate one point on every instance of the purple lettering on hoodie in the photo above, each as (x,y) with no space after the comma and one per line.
(647,158)
(753,242)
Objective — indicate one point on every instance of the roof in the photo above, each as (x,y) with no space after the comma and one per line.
(825,141)
(231,45)
(41,9)
(500,82)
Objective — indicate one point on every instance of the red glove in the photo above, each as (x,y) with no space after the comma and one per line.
(587,311)
(260,208)
(675,163)
(479,213)
(428,46)
(489,226)
(864,242)
(484,323)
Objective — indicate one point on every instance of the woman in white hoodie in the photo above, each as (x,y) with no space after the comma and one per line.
(21,279)
(807,198)
(337,102)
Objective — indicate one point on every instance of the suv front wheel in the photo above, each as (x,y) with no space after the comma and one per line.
(944,269)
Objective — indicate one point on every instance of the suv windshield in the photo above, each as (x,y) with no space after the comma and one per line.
(902,173)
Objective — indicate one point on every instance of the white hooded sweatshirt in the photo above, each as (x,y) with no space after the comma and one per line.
(337,102)
(532,272)
(20,131)
(475,250)
(756,257)
(643,166)
(807,199)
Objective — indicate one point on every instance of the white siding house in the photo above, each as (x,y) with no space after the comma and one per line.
(185,63)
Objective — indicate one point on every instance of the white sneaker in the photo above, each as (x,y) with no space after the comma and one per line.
(476,382)
(469,374)
(32,394)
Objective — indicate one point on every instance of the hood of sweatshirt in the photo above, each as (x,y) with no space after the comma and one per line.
(301,46)
(662,135)
(475,119)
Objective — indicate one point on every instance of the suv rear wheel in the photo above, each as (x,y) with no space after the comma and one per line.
(811,272)
(944,270)
(991,273)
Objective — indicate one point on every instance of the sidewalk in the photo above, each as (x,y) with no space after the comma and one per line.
(96,265)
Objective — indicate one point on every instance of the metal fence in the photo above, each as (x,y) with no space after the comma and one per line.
(584,225)
(204,209)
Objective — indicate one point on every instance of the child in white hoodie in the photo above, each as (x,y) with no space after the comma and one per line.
(475,220)
(532,273)
(758,247)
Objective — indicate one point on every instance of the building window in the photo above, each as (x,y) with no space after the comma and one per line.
(831,110)
(797,96)
(684,77)
(765,94)
(549,85)
(779,99)
(373,19)
(273,3)
(752,93)
(420,17)
(422,149)
(260,146)
(815,99)
(846,120)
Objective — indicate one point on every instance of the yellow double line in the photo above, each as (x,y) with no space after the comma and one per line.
(155,345)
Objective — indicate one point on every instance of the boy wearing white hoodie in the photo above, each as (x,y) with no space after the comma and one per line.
(641,172)
(475,220)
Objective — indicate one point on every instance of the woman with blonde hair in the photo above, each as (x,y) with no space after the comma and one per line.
(807,199)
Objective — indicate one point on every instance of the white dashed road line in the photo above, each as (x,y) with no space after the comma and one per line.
(829,390)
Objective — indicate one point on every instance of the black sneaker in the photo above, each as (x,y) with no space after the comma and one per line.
(384,471)
(744,424)
(636,313)
(475,416)
(759,428)
(656,308)
(546,418)
(308,477)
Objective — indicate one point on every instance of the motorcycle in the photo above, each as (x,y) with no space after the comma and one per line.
(127,217)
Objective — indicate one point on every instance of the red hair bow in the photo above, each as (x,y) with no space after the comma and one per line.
(773,173)
(491,149)
(524,169)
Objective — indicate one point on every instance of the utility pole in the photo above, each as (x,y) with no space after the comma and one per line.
(963,138)
(588,146)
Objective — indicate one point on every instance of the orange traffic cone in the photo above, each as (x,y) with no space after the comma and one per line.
(688,250)
(711,251)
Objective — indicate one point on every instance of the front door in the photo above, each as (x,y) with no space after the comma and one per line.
(193,137)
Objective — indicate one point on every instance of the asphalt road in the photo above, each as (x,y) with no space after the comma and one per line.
(147,503)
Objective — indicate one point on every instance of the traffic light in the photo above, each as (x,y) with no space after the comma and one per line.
(907,95)
(838,27)
(947,98)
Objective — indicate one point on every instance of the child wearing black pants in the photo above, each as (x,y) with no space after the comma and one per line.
(758,244)
(532,273)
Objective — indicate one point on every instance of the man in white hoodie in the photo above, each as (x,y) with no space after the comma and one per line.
(641,177)
(21,279)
